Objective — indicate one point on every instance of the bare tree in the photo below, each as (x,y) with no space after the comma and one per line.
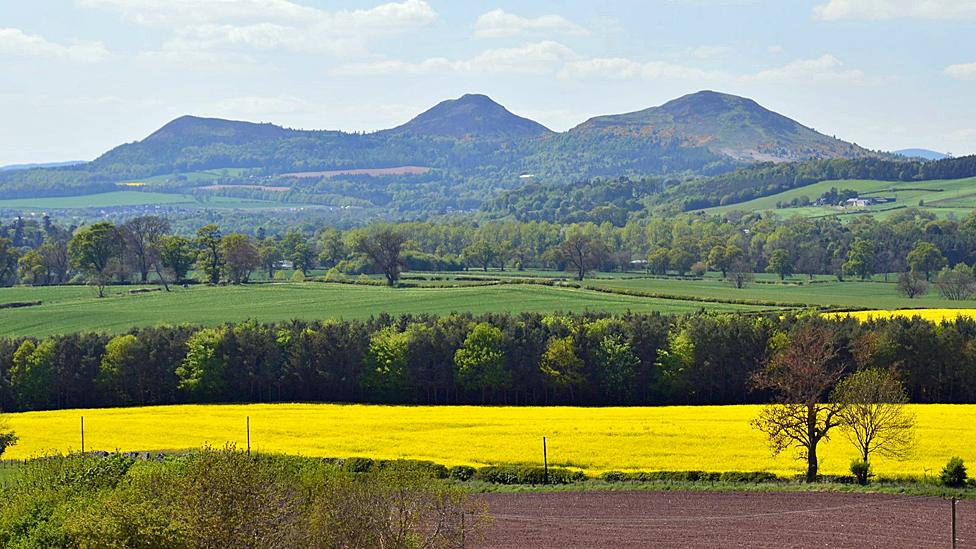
(142,236)
(912,285)
(801,377)
(582,252)
(874,415)
(740,274)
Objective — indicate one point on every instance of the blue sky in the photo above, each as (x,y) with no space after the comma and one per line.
(78,77)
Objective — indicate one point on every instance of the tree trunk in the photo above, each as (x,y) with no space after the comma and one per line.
(812,443)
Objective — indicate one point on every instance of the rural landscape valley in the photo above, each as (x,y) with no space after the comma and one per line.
(420,274)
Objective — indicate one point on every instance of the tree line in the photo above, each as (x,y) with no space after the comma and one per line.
(922,249)
(529,359)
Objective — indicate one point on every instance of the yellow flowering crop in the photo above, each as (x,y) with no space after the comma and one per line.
(932,315)
(711,438)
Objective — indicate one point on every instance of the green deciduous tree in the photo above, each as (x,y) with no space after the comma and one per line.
(480,362)
(210,261)
(176,255)
(384,246)
(925,258)
(202,372)
(861,259)
(96,250)
(780,263)
(561,366)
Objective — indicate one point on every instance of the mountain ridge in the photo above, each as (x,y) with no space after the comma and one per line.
(734,126)
(470,138)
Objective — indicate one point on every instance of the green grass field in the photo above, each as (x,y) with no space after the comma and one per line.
(827,291)
(944,198)
(135,198)
(75,308)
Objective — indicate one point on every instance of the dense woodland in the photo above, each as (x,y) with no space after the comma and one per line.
(525,359)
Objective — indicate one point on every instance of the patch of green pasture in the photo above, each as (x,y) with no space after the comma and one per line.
(943,197)
(854,294)
(77,309)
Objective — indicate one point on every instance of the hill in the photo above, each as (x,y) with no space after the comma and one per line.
(729,125)
(924,154)
(472,116)
(14,167)
(470,149)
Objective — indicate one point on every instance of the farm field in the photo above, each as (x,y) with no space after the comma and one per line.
(75,308)
(703,519)
(827,292)
(710,438)
(133,198)
(944,198)
(932,315)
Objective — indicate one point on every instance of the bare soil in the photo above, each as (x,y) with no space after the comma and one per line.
(709,519)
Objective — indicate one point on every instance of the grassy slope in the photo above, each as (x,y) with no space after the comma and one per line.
(67,309)
(942,197)
(828,293)
(710,438)
(133,198)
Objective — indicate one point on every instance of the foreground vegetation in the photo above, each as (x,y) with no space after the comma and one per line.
(226,498)
(594,440)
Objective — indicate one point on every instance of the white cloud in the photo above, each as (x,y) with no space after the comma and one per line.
(533,58)
(892,9)
(537,58)
(619,68)
(17,43)
(266,25)
(823,68)
(500,24)
(963,71)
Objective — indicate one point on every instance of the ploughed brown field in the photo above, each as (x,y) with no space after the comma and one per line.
(703,519)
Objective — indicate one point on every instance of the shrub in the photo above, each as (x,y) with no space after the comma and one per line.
(614,476)
(747,476)
(462,472)
(954,473)
(528,475)
(689,476)
(298,276)
(357,465)
(861,471)
(423,467)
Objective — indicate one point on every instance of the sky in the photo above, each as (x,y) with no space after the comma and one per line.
(78,77)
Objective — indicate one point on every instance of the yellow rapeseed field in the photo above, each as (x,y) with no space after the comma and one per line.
(712,438)
(932,315)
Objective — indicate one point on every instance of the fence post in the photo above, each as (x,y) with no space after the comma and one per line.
(953,522)
(545,460)
(82,434)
